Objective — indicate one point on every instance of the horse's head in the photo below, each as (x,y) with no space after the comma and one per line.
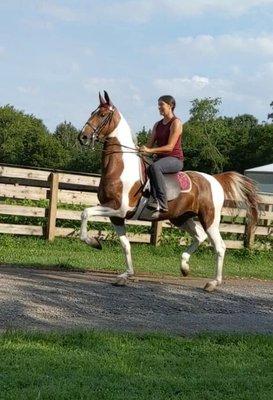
(101,123)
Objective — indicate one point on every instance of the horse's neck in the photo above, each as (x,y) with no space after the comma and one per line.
(125,149)
(123,134)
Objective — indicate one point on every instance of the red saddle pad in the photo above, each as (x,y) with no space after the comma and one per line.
(184,181)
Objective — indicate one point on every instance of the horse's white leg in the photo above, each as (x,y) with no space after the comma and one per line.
(198,234)
(87,214)
(125,243)
(220,248)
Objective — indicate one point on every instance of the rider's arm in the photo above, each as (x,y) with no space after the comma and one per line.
(175,133)
(152,139)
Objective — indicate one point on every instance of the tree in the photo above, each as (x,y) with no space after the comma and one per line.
(24,140)
(270,115)
(204,110)
(143,136)
(67,135)
(259,149)
(202,136)
(87,160)
(237,143)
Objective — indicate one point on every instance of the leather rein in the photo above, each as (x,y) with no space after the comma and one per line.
(97,130)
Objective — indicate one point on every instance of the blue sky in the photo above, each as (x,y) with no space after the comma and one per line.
(56,55)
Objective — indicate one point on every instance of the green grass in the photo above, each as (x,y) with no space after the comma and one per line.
(71,253)
(99,365)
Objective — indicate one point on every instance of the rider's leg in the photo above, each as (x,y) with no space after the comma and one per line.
(165,165)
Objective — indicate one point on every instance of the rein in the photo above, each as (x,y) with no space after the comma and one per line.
(126,147)
(98,129)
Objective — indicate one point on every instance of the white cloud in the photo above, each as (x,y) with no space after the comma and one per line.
(144,10)
(240,93)
(219,51)
(117,87)
(231,7)
(128,11)
(262,44)
(38,23)
(60,12)
(182,85)
(124,94)
(141,11)
(195,86)
(134,11)
(30,90)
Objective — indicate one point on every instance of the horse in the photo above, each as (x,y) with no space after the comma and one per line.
(121,189)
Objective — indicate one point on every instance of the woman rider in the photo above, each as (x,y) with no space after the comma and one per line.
(166,134)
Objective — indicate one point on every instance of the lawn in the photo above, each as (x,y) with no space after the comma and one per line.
(103,365)
(68,253)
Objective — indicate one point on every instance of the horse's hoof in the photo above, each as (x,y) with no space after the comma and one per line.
(94,242)
(184,272)
(98,245)
(184,268)
(210,287)
(121,281)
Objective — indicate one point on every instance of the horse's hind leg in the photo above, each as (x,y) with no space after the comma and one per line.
(198,234)
(220,248)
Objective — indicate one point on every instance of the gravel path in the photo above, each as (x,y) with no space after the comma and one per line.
(46,300)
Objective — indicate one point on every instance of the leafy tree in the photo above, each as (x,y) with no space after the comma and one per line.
(270,115)
(143,136)
(87,160)
(67,135)
(25,140)
(202,136)
(211,143)
(204,110)
(259,148)
(237,143)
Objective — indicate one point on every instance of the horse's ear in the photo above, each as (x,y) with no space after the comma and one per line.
(107,98)
(102,101)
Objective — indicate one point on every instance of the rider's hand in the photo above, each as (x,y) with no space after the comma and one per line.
(144,149)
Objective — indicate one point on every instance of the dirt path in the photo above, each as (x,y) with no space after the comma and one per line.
(45,300)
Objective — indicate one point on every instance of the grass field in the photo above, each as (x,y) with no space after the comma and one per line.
(70,253)
(113,366)
(90,365)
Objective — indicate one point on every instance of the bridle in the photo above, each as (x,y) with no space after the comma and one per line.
(97,130)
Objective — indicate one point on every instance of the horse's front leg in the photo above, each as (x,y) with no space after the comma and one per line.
(86,215)
(119,226)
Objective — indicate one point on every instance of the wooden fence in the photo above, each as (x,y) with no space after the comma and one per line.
(80,189)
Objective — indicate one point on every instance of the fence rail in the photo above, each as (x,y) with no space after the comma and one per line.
(80,189)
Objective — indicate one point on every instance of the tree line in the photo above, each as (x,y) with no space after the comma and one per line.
(211,143)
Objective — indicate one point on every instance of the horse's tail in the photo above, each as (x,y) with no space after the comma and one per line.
(242,191)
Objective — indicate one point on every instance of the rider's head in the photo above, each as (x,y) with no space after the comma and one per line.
(166,104)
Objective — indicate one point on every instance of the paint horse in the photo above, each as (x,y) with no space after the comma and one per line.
(121,190)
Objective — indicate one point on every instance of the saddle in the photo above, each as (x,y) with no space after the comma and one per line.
(175,183)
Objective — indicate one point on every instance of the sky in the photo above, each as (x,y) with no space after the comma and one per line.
(55,56)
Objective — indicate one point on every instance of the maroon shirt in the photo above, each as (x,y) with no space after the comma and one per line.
(162,134)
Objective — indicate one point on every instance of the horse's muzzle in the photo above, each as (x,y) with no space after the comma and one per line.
(83,139)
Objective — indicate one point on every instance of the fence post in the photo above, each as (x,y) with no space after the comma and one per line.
(249,235)
(52,210)
(156,232)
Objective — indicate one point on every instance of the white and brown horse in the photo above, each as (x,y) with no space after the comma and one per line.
(121,187)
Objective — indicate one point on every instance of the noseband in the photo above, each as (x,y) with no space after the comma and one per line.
(97,129)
